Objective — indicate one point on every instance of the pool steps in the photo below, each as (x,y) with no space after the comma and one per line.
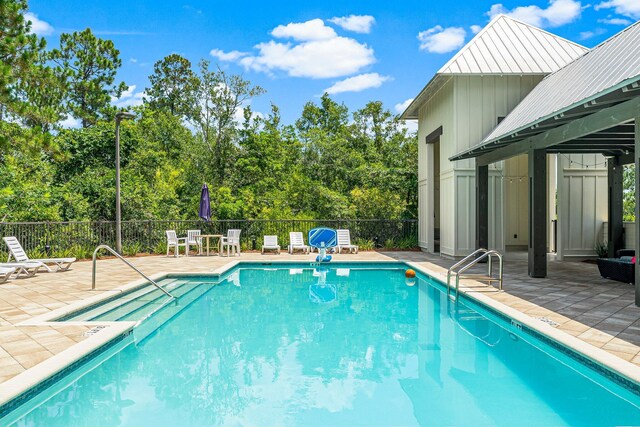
(146,302)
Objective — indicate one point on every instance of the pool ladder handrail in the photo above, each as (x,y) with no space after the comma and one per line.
(113,252)
(484,253)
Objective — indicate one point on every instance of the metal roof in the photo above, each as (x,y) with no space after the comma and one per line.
(607,75)
(509,46)
(505,46)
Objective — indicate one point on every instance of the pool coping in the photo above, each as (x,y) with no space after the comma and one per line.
(26,384)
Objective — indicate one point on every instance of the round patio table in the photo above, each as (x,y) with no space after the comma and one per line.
(208,236)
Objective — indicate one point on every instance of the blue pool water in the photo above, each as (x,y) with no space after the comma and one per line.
(344,347)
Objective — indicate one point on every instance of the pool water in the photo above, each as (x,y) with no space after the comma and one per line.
(343,347)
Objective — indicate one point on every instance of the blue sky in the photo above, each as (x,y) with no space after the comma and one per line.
(357,50)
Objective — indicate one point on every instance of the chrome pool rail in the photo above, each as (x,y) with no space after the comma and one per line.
(109,249)
(467,262)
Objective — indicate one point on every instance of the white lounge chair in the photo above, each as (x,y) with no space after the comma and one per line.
(16,252)
(232,240)
(344,241)
(296,241)
(174,242)
(193,239)
(26,268)
(5,273)
(271,244)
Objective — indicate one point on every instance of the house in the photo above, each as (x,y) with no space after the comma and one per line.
(462,104)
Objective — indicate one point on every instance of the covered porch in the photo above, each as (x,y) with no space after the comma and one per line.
(589,106)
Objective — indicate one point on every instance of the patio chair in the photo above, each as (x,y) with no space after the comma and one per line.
(344,241)
(296,241)
(193,239)
(231,241)
(271,243)
(27,268)
(5,273)
(16,252)
(173,241)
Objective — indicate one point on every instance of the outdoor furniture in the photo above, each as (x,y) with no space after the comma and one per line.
(215,236)
(174,242)
(17,252)
(296,241)
(5,273)
(620,268)
(26,268)
(271,243)
(344,241)
(232,240)
(194,239)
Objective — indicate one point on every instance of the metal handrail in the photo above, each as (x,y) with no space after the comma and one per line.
(108,248)
(485,253)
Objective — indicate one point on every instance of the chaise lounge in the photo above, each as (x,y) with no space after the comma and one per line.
(17,252)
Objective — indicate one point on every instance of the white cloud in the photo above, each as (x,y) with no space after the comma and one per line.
(410,125)
(590,34)
(559,12)
(615,21)
(232,56)
(475,29)
(356,23)
(129,98)
(357,83)
(630,8)
(403,106)
(70,123)
(336,57)
(133,60)
(316,52)
(441,40)
(304,31)
(38,26)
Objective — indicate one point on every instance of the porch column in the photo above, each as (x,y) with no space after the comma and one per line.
(482,206)
(614,230)
(537,213)
(637,209)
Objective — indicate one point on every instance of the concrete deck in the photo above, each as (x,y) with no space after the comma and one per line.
(573,298)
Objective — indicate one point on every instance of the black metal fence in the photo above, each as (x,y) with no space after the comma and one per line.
(79,238)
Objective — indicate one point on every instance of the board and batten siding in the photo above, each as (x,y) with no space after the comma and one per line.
(436,112)
(582,203)
(478,103)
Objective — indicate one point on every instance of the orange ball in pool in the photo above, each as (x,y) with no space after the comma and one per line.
(410,274)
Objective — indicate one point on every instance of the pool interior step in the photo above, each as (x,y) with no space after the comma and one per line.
(141,303)
(171,309)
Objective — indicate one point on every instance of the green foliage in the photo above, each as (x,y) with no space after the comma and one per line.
(332,163)
(24,118)
(629,193)
(89,65)
(172,77)
(602,249)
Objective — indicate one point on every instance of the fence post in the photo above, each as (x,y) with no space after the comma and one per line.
(149,236)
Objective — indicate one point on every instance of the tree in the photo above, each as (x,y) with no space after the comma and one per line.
(21,73)
(214,99)
(89,65)
(171,79)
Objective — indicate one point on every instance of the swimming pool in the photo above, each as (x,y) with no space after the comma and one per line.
(349,345)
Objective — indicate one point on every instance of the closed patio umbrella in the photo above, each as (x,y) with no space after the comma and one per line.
(205,205)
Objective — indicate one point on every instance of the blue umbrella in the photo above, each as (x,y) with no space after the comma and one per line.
(205,205)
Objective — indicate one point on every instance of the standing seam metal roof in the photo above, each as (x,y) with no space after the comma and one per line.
(505,46)
(603,69)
